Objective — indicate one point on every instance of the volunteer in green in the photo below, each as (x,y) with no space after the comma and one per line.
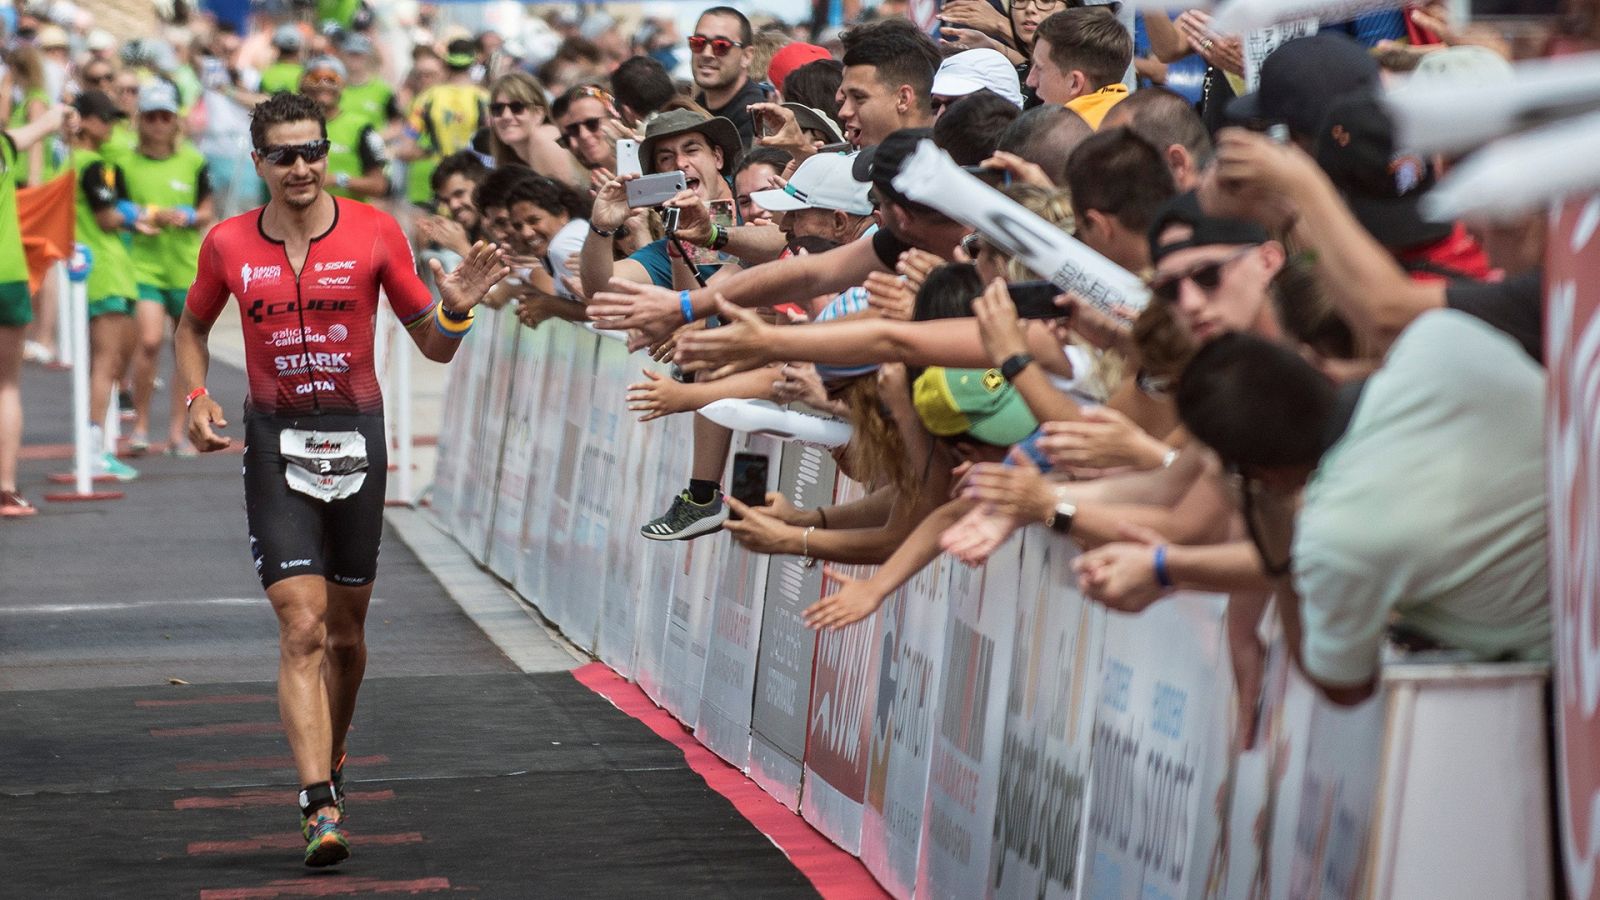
(284,75)
(366,95)
(16,308)
(166,178)
(103,212)
(357,161)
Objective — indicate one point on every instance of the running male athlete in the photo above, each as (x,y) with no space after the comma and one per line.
(307,268)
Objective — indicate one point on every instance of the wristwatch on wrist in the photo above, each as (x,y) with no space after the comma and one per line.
(1060,518)
(1014,365)
(601,231)
(342,179)
(719,237)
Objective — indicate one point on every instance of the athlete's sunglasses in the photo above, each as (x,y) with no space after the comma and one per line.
(1206,277)
(720,46)
(515,107)
(287,154)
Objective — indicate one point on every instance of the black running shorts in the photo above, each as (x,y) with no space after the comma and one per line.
(292,533)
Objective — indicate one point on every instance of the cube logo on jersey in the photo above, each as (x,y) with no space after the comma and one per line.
(259,310)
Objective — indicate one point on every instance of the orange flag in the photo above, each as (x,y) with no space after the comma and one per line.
(46,214)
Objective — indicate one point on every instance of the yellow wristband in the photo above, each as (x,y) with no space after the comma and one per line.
(450,326)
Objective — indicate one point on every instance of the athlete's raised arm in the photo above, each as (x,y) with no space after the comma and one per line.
(438,328)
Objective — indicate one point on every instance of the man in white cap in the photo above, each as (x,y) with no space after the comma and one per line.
(971,71)
(822,199)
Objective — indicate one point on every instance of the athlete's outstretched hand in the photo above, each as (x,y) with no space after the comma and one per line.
(205,416)
(481,270)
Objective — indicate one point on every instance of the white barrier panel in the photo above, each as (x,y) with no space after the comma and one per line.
(964,773)
(1157,750)
(1044,753)
(1445,829)
(723,724)
(947,738)
(784,658)
(910,648)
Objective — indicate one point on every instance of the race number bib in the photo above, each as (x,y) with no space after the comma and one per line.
(327,465)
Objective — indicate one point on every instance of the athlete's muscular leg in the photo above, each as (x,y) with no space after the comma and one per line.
(301,604)
(345,660)
(152,331)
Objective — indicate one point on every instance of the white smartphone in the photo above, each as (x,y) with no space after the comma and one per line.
(628,157)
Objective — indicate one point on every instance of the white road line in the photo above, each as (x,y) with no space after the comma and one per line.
(50,609)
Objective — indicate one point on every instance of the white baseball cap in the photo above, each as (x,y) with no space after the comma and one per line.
(971,71)
(822,182)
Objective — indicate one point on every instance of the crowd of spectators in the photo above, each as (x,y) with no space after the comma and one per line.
(1329,406)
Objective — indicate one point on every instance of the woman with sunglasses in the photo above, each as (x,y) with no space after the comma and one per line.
(522,131)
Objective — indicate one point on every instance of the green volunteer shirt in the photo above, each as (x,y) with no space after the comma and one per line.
(100,186)
(354,148)
(13,264)
(340,11)
(19,117)
(122,144)
(169,259)
(281,76)
(372,102)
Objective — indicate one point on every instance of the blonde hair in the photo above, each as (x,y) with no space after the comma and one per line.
(517,87)
(876,453)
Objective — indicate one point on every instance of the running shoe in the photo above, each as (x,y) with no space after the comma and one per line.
(139,444)
(33,351)
(686,519)
(15,506)
(326,843)
(108,464)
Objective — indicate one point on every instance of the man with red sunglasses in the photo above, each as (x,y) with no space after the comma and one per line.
(721,48)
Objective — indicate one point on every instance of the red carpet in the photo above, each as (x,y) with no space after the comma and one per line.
(834,873)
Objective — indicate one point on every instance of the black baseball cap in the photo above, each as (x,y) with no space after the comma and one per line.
(98,105)
(879,165)
(1207,230)
(1302,78)
(1382,186)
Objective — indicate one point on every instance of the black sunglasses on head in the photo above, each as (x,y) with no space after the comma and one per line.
(720,46)
(1207,277)
(515,107)
(286,154)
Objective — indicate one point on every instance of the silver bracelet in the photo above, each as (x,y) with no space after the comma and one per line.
(1170,457)
(805,546)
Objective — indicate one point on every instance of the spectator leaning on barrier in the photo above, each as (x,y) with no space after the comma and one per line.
(821,199)
(590,126)
(888,81)
(720,51)
(1079,58)
(1424,500)
(454,181)
(754,172)
(523,131)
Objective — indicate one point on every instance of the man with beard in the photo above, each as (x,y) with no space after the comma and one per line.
(307,269)
(454,182)
(722,46)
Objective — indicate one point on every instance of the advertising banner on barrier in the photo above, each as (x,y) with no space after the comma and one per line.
(964,772)
(783,661)
(1572,423)
(910,643)
(626,587)
(1159,750)
(506,332)
(555,376)
(689,627)
(475,479)
(516,462)
(1337,794)
(571,418)
(596,489)
(1044,754)
(730,681)
(455,438)
(844,682)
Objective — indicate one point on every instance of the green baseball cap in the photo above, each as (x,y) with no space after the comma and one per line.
(979,403)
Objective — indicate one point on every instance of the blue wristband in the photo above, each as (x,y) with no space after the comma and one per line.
(189,214)
(686,306)
(129,211)
(1163,578)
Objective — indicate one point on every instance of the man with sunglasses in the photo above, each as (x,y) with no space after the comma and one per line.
(167,177)
(721,49)
(307,269)
(357,160)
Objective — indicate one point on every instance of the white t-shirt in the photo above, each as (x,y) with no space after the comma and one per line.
(1431,506)
(568,240)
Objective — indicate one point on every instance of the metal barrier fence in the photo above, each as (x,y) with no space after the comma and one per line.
(988,732)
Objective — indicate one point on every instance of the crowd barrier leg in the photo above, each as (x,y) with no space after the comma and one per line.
(74,319)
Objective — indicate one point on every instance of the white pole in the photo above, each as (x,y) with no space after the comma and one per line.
(66,351)
(76,316)
(403,422)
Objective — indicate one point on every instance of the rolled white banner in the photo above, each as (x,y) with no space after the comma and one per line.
(1428,117)
(766,417)
(930,177)
(1521,173)
(1242,16)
